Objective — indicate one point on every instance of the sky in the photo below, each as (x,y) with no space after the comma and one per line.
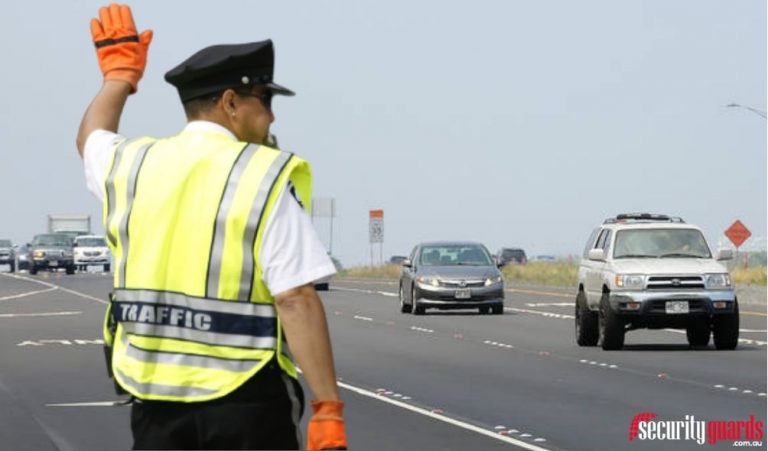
(518,123)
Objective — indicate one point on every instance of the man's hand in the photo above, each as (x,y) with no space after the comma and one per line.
(122,52)
(326,427)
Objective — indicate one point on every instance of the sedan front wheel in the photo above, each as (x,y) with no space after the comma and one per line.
(404,308)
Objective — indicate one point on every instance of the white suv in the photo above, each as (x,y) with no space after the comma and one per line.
(654,271)
(92,250)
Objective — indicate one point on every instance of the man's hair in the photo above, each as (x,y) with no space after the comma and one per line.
(197,107)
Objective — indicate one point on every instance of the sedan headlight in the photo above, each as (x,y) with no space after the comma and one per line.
(717,281)
(493,280)
(630,281)
(428,281)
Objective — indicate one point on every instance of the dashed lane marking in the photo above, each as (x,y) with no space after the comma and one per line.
(24,315)
(536,312)
(549,304)
(363,318)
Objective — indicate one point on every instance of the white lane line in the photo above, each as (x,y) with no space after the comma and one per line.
(741,340)
(421,329)
(442,418)
(550,304)
(29,293)
(364,318)
(89,404)
(387,293)
(536,312)
(753,330)
(57,287)
(18,315)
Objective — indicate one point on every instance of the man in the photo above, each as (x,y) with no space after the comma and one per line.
(215,257)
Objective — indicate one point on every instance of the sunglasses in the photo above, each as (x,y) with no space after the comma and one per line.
(264,97)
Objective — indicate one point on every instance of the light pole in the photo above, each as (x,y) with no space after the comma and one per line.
(754,110)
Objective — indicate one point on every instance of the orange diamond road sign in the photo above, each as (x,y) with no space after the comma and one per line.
(738,233)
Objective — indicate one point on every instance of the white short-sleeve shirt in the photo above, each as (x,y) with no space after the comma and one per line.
(291,254)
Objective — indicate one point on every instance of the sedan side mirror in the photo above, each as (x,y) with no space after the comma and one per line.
(597,255)
(500,264)
(724,254)
(407,263)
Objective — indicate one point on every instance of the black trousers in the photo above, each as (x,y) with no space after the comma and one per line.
(263,413)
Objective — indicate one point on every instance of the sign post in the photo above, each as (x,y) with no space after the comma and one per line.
(738,233)
(376,231)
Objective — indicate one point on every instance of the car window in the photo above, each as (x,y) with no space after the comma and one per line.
(607,241)
(454,255)
(91,242)
(601,239)
(661,243)
(590,242)
(51,240)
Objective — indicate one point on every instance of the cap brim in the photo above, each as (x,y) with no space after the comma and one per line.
(279,90)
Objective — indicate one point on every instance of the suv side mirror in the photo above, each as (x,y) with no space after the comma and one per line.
(724,254)
(597,255)
(407,263)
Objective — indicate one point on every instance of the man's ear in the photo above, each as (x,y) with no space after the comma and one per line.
(228,102)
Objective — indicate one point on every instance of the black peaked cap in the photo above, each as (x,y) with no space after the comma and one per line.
(218,67)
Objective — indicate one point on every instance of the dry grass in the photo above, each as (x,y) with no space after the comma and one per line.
(542,273)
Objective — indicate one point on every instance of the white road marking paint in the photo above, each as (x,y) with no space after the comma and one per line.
(536,312)
(443,418)
(421,329)
(97,341)
(741,340)
(753,330)
(57,287)
(29,293)
(89,404)
(387,293)
(549,304)
(364,318)
(17,315)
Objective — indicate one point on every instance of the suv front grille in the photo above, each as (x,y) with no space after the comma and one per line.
(674,282)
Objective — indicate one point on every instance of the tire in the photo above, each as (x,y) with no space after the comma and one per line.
(698,333)
(611,327)
(32,269)
(71,269)
(725,329)
(484,309)
(416,309)
(13,267)
(586,323)
(404,308)
(106,268)
(497,309)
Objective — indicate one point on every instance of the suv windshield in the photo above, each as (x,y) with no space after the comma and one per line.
(660,243)
(454,255)
(51,240)
(91,242)
(5,243)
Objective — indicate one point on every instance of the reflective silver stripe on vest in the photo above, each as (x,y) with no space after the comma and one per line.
(200,336)
(251,228)
(220,227)
(111,195)
(160,389)
(131,193)
(172,358)
(196,303)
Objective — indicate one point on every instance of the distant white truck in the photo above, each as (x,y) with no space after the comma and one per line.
(72,225)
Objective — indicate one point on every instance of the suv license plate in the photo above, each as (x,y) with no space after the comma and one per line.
(464,293)
(54,263)
(677,307)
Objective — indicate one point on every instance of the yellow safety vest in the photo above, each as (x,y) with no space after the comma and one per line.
(185,219)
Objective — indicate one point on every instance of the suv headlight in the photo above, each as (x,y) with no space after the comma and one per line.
(38,254)
(630,281)
(717,281)
(493,281)
(428,281)
(66,253)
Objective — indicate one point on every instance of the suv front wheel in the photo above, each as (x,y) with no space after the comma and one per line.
(587,327)
(725,329)
(611,327)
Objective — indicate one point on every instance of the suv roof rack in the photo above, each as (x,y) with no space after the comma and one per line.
(643,217)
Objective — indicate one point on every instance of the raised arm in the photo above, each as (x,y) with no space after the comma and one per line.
(122,55)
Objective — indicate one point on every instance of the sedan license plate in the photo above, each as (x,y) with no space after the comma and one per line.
(677,307)
(464,293)
(53,263)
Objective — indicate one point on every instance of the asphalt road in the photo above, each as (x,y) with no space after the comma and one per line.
(443,381)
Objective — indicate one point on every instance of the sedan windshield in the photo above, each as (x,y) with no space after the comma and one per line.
(91,242)
(51,240)
(660,243)
(455,255)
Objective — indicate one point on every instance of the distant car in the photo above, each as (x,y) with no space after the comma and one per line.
(324,283)
(451,275)
(22,257)
(7,254)
(91,250)
(51,251)
(543,258)
(511,255)
(397,259)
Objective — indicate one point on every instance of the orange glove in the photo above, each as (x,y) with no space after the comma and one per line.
(121,51)
(326,427)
